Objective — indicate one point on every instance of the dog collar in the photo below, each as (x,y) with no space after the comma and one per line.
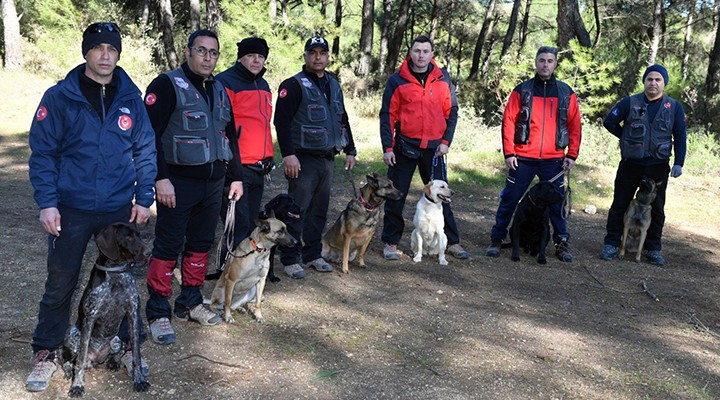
(124,267)
(365,204)
(256,247)
(429,199)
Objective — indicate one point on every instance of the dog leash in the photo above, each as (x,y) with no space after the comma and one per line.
(443,169)
(228,234)
(351,177)
(566,209)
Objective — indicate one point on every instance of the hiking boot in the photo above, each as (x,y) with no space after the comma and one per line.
(655,258)
(320,265)
(390,252)
(457,251)
(201,315)
(162,332)
(609,252)
(127,362)
(562,251)
(294,271)
(44,369)
(494,249)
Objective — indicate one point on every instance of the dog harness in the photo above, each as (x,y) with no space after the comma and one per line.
(365,204)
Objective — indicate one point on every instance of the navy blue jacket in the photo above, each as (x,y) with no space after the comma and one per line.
(84,162)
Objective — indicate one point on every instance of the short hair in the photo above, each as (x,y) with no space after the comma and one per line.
(547,49)
(422,39)
(202,32)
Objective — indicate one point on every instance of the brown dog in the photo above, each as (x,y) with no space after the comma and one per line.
(351,233)
(637,218)
(243,278)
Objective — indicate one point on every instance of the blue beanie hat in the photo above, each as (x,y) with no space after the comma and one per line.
(659,69)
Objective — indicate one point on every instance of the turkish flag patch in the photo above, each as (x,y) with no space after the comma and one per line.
(283,93)
(125,122)
(150,99)
(41,113)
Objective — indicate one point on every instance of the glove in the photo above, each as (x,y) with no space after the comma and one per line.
(676,171)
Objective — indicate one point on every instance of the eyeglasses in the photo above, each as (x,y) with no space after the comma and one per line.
(102,26)
(202,52)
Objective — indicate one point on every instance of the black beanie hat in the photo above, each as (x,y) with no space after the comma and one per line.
(660,70)
(252,45)
(101,32)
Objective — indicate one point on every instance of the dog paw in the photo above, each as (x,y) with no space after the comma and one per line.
(274,279)
(417,258)
(542,261)
(229,319)
(76,391)
(443,261)
(515,258)
(141,386)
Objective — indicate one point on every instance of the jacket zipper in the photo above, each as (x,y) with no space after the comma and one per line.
(102,102)
(542,131)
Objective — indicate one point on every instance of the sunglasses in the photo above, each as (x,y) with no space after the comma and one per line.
(98,27)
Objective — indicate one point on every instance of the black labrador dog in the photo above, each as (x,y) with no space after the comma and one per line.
(110,295)
(530,228)
(284,208)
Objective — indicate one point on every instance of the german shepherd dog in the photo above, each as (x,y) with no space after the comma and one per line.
(243,278)
(110,295)
(429,237)
(351,233)
(530,227)
(637,218)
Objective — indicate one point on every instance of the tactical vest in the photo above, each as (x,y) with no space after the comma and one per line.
(195,134)
(316,126)
(522,124)
(644,139)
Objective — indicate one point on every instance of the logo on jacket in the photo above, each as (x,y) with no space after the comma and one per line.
(150,99)
(667,104)
(283,93)
(41,113)
(180,82)
(306,82)
(125,122)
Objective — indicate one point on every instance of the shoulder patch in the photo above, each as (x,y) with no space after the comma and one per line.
(306,82)
(181,83)
(150,99)
(125,122)
(41,113)
(283,93)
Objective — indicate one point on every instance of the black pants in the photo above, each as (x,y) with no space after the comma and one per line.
(627,180)
(401,175)
(311,190)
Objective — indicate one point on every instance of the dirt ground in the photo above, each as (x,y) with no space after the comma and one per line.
(478,329)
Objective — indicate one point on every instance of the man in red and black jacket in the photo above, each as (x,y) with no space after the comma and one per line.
(541,134)
(417,124)
(251,102)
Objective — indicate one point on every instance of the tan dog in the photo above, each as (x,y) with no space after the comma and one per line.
(243,278)
(428,237)
(637,218)
(351,233)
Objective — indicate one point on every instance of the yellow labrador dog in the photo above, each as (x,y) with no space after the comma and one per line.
(243,278)
(428,237)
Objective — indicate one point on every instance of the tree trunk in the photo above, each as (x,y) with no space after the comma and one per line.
(11,36)
(397,37)
(283,8)
(272,11)
(598,26)
(655,41)
(366,38)
(167,21)
(688,36)
(144,19)
(434,16)
(486,27)
(385,33)
(213,15)
(338,24)
(512,24)
(570,24)
(488,53)
(524,26)
(194,15)
(711,81)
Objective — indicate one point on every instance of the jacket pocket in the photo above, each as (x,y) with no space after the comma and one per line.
(195,121)
(314,138)
(191,150)
(634,141)
(317,113)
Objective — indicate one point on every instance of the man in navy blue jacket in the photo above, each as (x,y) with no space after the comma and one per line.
(92,164)
(649,125)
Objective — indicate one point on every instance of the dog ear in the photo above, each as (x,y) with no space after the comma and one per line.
(106,241)
(263,224)
(427,189)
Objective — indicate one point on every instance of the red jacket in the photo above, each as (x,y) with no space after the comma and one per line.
(543,123)
(252,108)
(427,114)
